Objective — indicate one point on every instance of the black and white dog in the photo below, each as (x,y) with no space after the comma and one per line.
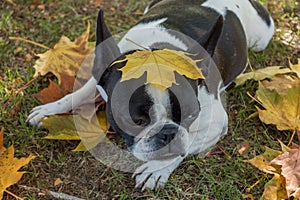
(163,127)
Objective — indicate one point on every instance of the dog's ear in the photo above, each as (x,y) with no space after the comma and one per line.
(227,46)
(230,53)
(106,50)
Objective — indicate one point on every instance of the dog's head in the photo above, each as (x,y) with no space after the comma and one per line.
(153,122)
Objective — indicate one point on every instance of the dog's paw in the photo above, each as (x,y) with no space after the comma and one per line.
(40,112)
(155,173)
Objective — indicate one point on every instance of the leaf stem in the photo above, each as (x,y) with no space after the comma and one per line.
(12,194)
(29,41)
(133,42)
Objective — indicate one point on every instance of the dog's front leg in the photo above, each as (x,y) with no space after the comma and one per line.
(84,95)
(155,173)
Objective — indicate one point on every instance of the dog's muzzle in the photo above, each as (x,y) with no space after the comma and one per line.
(161,141)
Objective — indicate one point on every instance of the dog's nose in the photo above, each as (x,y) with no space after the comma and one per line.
(167,133)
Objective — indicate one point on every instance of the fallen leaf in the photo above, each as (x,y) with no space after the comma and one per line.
(290,167)
(296,194)
(97,3)
(275,189)
(284,165)
(66,57)
(57,182)
(261,74)
(88,111)
(281,83)
(28,57)
(9,166)
(54,91)
(262,162)
(282,111)
(74,127)
(248,196)
(160,66)
(243,148)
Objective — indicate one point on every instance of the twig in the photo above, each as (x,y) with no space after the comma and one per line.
(257,182)
(49,193)
(254,99)
(29,41)
(133,42)
(223,151)
(12,194)
(291,140)
(20,90)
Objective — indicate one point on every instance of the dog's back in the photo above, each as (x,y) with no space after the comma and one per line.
(225,29)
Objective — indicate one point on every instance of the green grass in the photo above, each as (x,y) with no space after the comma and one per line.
(217,176)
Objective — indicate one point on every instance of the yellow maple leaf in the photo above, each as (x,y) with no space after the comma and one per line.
(160,66)
(66,57)
(280,110)
(9,166)
(74,127)
(262,162)
(275,189)
(261,74)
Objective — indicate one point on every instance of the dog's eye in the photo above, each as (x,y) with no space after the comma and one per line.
(142,121)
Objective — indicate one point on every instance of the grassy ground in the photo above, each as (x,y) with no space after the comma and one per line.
(217,176)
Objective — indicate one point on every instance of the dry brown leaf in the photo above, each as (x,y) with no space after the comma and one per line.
(66,57)
(290,166)
(57,182)
(160,66)
(243,148)
(281,83)
(54,91)
(97,3)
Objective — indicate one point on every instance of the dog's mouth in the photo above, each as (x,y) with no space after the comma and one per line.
(160,141)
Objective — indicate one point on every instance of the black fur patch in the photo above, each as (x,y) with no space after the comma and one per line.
(261,11)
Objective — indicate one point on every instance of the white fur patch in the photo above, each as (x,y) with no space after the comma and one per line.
(102,92)
(84,95)
(155,173)
(257,32)
(161,103)
(147,34)
(210,125)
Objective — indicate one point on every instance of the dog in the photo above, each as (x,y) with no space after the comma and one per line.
(162,127)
